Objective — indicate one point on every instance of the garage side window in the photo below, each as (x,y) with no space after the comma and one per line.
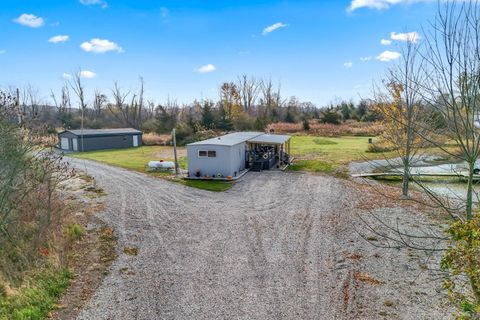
(207,154)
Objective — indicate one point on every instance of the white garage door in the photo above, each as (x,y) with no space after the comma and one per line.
(64,144)
(135,141)
(75,144)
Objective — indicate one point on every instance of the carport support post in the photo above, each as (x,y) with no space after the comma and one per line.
(281,154)
(174,138)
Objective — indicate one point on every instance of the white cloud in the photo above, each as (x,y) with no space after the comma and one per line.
(100,46)
(386,56)
(59,38)
(380,4)
(408,36)
(66,76)
(273,27)
(207,68)
(348,64)
(101,3)
(385,42)
(30,20)
(372,4)
(87,74)
(365,59)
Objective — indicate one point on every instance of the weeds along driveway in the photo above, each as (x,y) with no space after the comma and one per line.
(276,246)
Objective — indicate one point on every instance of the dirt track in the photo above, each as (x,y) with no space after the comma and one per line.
(276,246)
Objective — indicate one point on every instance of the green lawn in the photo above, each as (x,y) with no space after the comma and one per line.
(326,154)
(137,159)
(133,158)
(217,186)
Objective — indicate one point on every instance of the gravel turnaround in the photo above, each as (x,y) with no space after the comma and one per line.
(278,245)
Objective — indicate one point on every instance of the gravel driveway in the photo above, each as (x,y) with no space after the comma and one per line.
(276,246)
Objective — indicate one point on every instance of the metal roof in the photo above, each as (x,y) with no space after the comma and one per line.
(230,139)
(270,139)
(103,132)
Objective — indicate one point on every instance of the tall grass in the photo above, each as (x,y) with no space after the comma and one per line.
(153,139)
(349,128)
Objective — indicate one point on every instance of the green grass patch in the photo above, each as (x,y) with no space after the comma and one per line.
(329,154)
(216,186)
(74,232)
(35,302)
(312,165)
(334,150)
(323,141)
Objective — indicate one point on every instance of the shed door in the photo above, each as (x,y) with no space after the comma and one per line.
(135,141)
(64,144)
(75,144)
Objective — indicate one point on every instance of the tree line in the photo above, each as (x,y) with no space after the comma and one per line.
(248,103)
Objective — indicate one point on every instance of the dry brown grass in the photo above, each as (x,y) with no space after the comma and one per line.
(348,128)
(363,277)
(153,139)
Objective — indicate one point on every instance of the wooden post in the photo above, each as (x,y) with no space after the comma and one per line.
(174,138)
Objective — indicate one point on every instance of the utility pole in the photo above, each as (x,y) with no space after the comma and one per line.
(174,138)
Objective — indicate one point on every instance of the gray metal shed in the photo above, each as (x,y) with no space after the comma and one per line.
(229,155)
(99,139)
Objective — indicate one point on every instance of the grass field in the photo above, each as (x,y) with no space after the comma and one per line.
(137,159)
(327,154)
(312,153)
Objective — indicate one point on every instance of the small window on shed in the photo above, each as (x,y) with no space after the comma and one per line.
(209,153)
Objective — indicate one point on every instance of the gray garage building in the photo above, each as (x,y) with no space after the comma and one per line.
(228,156)
(99,139)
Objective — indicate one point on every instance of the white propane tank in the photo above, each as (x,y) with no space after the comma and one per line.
(161,165)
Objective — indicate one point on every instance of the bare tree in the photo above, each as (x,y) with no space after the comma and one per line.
(270,99)
(249,89)
(31,102)
(63,106)
(452,85)
(79,90)
(140,105)
(401,108)
(99,102)
(449,84)
(129,113)
(119,108)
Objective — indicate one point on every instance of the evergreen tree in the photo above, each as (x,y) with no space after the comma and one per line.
(208,115)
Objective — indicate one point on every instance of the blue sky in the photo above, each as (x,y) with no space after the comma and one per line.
(186,49)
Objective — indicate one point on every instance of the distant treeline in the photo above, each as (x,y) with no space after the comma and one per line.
(247,104)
